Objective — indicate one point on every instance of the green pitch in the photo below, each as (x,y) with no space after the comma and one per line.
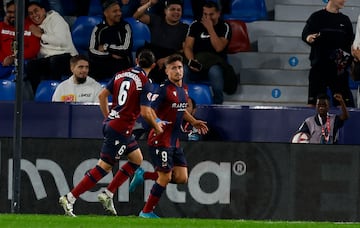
(88,221)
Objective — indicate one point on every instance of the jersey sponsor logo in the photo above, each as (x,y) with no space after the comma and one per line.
(114,114)
(204,36)
(179,106)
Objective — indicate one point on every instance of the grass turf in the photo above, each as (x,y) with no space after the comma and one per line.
(89,221)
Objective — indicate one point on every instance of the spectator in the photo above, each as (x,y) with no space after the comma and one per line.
(167,34)
(79,87)
(7,38)
(323,128)
(110,43)
(205,48)
(355,51)
(56,45)
(167,156)
(224,5)
(330,35)
(129,90)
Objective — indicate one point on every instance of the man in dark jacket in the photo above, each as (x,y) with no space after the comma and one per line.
(110,44)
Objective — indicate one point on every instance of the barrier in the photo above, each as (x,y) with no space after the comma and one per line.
(272,181)
(226,122)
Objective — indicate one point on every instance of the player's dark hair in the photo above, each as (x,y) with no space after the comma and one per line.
(146,58)
(77,58)
(173,58)
(323,96)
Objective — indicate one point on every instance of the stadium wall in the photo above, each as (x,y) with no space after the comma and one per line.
(227,123)
(276,181)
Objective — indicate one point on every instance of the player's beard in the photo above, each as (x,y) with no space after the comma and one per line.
(80,80)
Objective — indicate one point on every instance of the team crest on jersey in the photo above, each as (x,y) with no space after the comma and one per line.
(152,96)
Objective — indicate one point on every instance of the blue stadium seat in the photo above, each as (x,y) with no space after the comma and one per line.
(247,10)
(239,41)
(95,8)
(103,85)
(7,90)
(45,90)
(187,9)
(201,93)
(141,33)
(81,32)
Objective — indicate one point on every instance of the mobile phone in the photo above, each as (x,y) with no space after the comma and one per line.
(195,64)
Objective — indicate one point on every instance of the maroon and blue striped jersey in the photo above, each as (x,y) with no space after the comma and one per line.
(169,103)
(128,89)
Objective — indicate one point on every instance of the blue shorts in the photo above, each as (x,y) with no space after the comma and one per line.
(116,145)
(164,159)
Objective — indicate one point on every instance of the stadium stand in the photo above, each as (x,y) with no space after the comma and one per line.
(247,11)
(95,8)
(45,90)
(141,33)
(81,32)
(7,90)
(201,93)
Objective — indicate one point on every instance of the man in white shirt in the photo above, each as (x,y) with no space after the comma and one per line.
(79,87)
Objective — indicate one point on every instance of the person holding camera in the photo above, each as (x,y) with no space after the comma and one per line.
(330,34)
(205,48)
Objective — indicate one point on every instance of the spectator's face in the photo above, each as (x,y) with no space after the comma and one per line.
(36,14)
(212,14)
(80,70)
(173,13)
(339,4)
(322,107)
(175,71)
(113,14)
(10,14)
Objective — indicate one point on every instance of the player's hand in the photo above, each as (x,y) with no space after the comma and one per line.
(201,126)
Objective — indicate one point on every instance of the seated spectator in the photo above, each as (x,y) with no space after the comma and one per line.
(167,34)
(110,43)
(205,48)
(79,87)
(224,5)
(7,38)
(56,45)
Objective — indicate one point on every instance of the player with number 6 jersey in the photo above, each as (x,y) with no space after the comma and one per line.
(130,90)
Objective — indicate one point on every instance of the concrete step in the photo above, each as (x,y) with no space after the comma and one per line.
(315,2)
(274,77)
(277,44)
(303,12)
(258,29)
(269,94)
(274,28)
(255,60)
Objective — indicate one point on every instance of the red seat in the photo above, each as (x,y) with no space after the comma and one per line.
(239,41)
